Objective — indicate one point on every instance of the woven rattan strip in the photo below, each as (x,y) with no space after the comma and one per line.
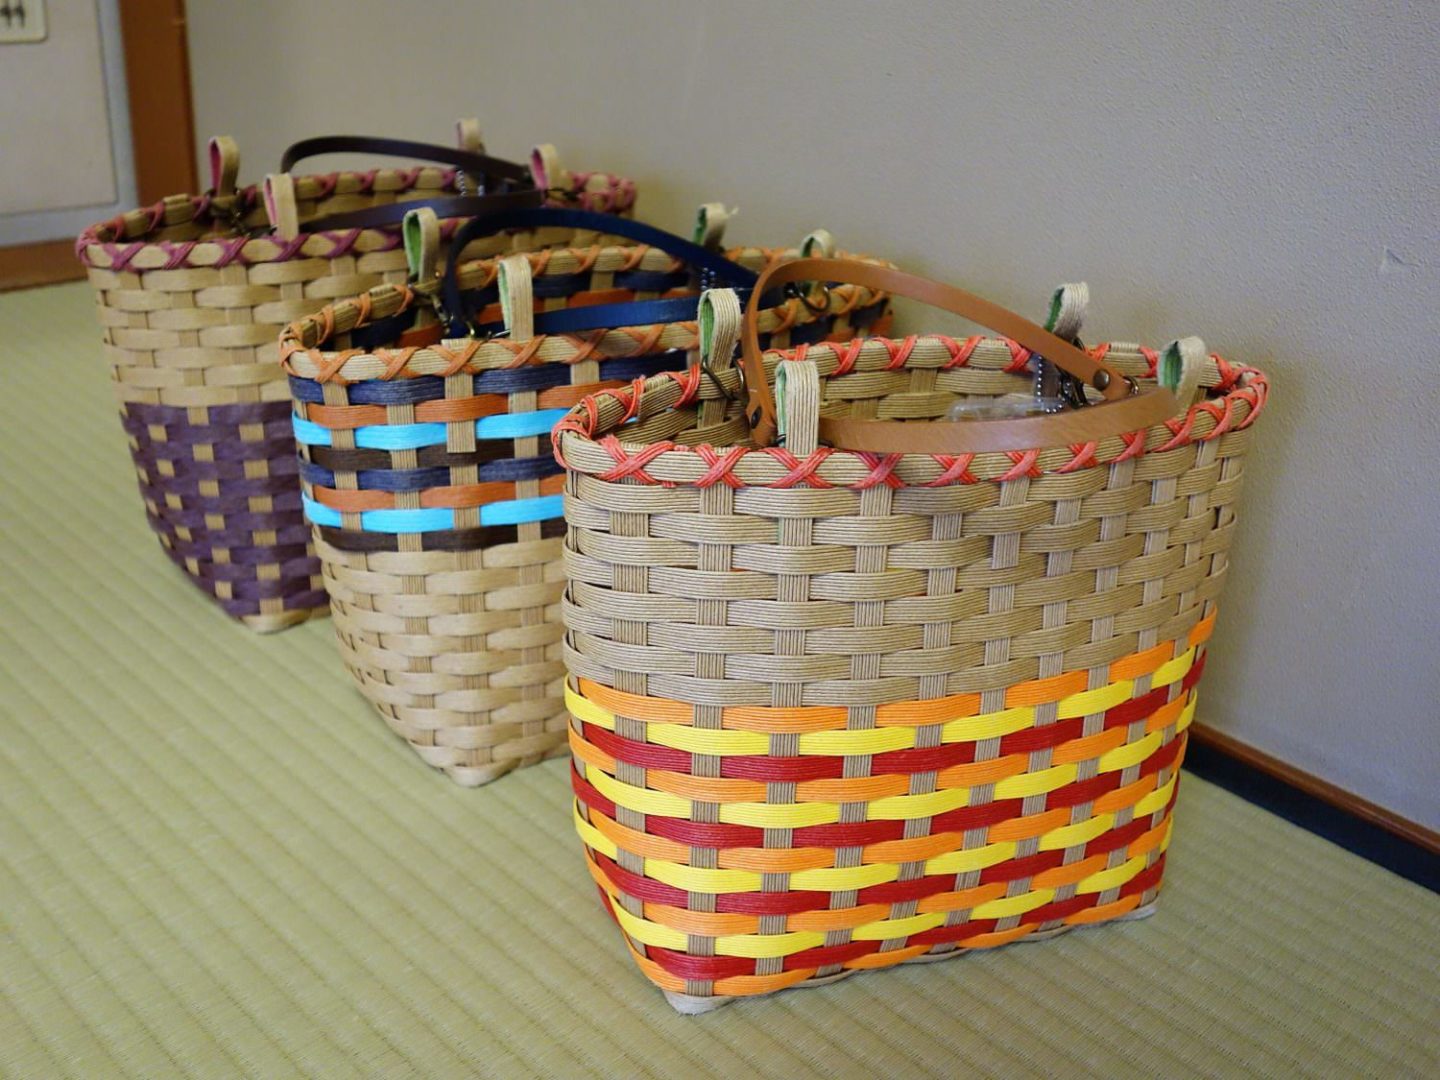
(191,294)
(427,470)
(835,711)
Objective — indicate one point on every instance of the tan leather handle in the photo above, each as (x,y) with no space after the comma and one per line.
(1123,411)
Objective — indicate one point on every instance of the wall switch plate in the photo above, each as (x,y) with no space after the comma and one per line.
(22,21)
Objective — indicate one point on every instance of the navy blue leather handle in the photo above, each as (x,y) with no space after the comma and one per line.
(719,269)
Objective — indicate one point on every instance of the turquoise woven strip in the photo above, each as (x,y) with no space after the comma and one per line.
(511,512)
(413,436)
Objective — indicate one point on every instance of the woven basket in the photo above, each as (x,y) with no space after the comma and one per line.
(192,292)
(837,710)
(428,472)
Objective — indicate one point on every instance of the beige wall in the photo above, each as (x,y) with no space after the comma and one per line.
(1261,175)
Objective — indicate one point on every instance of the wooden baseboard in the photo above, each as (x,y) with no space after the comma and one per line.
(39,264)
(1348,802)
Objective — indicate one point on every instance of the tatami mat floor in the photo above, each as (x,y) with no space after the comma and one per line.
(215,861)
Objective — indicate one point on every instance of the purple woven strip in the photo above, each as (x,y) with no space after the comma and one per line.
(202,552)
(235,493)
(293,589)
(186,471)
(238,524)
(231,449)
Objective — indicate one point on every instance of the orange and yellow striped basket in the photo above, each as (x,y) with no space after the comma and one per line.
(834,710)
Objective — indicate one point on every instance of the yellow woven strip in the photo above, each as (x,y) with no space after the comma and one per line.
(884,929)
(649,933)
(1173,670)
(1082,832)
(838,879)
(988,725)
(1013,905)
(1112,878)
(762,946)
(956,862)
(639,799)
(1156,800)
(1095,701)
(709,741)
(842,743)
(1189,713)
(1036,783)
(700,880)
(903,807)
(592,837)
(582,708)
(1122,757)
(787,816)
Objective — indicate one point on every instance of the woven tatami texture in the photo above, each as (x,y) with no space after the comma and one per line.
(214,862)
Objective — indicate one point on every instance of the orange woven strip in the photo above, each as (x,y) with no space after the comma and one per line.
(972,773)
(1068,875)
(1104,911)
(1148,841)
(641,843)
(1203,629)
(1130,794)
(1042,691)
(1023,828)
(459,496)
(886,959)
(915,849)
(964,898)
(748,985)
(1091,746)
(638,706)
(704,923)
(775,860)
(920,713)
(1168,713)
(838,918)
(770,719)
(999,937)
(1142,663)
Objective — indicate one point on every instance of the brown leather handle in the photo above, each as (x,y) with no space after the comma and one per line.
(1122,412)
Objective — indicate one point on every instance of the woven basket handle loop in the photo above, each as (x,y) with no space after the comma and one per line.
(517,297)
(224,157)
(718,319)
(1068,305)
(819,244)
(1181,365)
(280,206)
(467,135)
(421,231)
(710,222)
(1123,411)
(545,171)
(797,386)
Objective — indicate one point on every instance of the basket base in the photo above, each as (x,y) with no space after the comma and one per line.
(690,1005)
(270,624)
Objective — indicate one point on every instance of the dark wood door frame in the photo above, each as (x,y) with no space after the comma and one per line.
(162,127)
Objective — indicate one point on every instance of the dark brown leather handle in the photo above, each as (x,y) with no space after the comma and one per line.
(1121,413)
(479,165)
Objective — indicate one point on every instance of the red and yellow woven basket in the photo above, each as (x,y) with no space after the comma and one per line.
(834,710)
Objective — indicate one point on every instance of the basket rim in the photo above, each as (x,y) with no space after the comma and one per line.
(585,443)
(452,356)
(116,244)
